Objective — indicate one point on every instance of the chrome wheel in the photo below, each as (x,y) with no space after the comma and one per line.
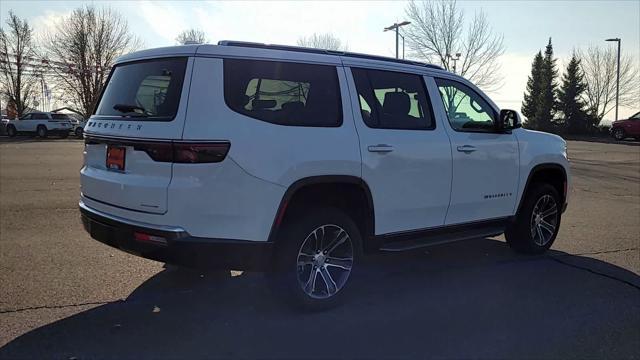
(324,261)
(544,220)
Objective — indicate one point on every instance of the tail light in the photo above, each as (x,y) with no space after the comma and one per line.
(200,153)
(185,152)
(172,151)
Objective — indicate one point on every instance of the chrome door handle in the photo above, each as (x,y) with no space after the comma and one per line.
(467,149)
(380,148)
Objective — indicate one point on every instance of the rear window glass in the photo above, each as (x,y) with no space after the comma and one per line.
(283,93)
(146,89)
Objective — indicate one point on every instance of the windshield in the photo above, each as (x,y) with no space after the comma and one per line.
(149,89)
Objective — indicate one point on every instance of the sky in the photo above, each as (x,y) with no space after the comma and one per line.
(525,25)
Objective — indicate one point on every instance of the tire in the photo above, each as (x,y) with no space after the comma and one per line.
(618,134)
(78,132)
(533,232)
(11,131)
(41,131)
(306,278)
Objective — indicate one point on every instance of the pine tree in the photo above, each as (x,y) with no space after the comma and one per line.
(547,99)
(532,94)
(570,99)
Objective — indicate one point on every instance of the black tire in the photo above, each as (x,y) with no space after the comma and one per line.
(41,131)
(528,233)
(11,131)
(618,133)
(288,277)
(78,132)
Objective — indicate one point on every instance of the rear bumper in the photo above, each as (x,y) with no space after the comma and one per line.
(180,248)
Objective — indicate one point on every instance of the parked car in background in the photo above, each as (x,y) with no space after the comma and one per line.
(77,127)
(3,124)
(77,122)
(41,124)
(630,127)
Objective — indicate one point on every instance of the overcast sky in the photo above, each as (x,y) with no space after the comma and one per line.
(526,26)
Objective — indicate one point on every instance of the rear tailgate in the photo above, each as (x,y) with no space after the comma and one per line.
(142,110)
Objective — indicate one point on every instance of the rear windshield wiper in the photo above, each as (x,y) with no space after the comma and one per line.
(131,109)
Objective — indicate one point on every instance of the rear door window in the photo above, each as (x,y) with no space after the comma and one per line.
(60,117)
(393,100)
(144,90)
(283,93)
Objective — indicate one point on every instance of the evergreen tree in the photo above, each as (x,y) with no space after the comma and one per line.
(532,94)
(570,98)
(547,99)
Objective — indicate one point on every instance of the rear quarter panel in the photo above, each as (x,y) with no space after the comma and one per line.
(275,153)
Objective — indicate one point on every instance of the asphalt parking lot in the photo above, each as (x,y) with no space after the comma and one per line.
(63,295)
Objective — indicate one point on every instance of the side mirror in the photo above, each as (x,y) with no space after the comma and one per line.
(509,120)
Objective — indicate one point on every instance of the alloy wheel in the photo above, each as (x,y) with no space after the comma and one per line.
(324,262)
(544,220)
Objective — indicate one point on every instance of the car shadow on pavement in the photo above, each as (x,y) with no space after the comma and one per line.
(472,299)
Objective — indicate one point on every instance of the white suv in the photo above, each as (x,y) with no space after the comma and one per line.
(299,161)
(41,124)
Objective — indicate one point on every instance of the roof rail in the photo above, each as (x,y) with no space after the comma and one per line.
(324,52)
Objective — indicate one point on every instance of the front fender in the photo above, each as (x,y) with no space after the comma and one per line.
(538,151)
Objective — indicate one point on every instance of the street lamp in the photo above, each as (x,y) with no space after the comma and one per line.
(395,27)
(455,60)
(617,73)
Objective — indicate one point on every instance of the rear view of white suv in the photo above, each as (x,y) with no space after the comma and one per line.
(299,161)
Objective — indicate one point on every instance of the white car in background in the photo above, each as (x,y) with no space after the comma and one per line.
(3,124)
(77,127)
(41,124)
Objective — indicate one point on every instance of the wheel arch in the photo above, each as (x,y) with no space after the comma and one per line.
(552,173)
(343,191)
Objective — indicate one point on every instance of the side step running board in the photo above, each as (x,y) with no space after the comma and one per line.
(431,237)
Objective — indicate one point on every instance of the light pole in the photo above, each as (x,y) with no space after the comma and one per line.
(402,44)
(617,74)
(455,60)
(395,27)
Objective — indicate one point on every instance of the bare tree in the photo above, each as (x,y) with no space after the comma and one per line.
(80,52)
(438,32)
(18,71)
(191,36)
(324,41)
(599,65)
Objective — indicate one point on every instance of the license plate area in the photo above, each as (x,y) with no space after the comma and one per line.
(116,157)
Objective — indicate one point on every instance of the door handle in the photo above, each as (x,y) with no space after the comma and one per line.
(380,148)
(467,149)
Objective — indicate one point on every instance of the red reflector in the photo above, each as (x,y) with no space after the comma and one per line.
(115,157)
(142,237)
